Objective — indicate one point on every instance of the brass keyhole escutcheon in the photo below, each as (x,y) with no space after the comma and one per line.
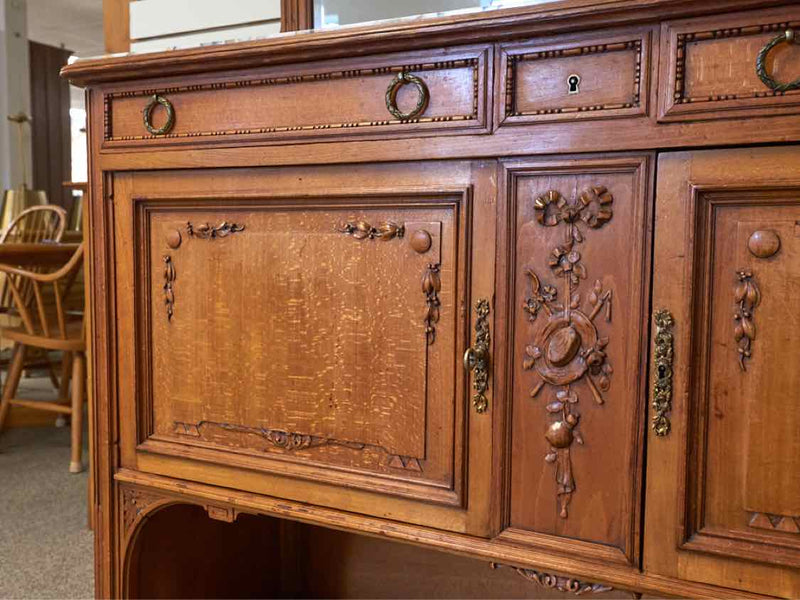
(573,83)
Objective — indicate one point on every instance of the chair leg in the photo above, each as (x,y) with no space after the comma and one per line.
(75,465)
(66,370)
(64,387)
(12,381)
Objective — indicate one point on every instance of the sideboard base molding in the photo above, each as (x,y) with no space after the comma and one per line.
(164,491)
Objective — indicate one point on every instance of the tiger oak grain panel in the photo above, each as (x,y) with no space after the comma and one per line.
(288,324)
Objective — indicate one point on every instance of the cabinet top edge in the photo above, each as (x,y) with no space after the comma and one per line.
(558,16)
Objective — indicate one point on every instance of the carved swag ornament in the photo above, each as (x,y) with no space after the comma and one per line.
(567,348)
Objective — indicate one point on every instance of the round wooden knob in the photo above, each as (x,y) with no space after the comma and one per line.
(764,243)
(421,241)
(174,239)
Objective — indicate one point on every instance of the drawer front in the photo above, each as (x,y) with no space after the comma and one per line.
(710,67)
(312,331)
(336,98)
(569,78)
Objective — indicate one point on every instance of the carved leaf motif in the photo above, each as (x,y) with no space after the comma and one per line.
(748,297)
(749,328)
(362,230)
(210,232)
(431,286)
(570,347)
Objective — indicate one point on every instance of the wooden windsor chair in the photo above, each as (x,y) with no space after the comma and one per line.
(36,224)
(43,223)
(47,325)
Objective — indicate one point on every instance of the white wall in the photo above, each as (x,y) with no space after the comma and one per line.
(15,89)
(328,13)
(168,24)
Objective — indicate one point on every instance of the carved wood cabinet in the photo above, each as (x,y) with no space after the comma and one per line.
(502,304)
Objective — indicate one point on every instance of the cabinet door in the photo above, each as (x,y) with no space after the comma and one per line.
(579,251)
(723,493)
(299,333)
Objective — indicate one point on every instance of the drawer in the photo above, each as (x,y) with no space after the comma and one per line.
(575,78)
(434,91)
(710,66)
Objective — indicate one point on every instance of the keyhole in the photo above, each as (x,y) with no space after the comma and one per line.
(573,82)
(662,371)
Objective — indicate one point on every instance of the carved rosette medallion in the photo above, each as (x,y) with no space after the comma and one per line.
(568,353)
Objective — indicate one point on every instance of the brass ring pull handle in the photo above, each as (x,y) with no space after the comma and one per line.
(476,358)
(662,373)
(761,64)
(398,82)
(147,113)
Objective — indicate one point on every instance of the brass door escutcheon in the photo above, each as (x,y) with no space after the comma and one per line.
(662,372)
(476,358)
(761,64)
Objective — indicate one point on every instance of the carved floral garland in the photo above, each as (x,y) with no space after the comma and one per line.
(567,347)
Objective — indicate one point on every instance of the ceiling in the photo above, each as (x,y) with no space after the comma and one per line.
(73,24)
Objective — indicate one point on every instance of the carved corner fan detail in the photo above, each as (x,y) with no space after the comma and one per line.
(134,503)
(567,347)
(291,441)
(211,232)
(361,230)
(557,582)
(748,297)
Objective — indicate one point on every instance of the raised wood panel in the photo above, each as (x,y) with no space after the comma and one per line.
(305,348)
(708,66)
(299,341)
(733,496)
(742,388)
(334,98)
(578,248)
(575,77)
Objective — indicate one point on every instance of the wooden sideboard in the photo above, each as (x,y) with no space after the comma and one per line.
(519,288)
